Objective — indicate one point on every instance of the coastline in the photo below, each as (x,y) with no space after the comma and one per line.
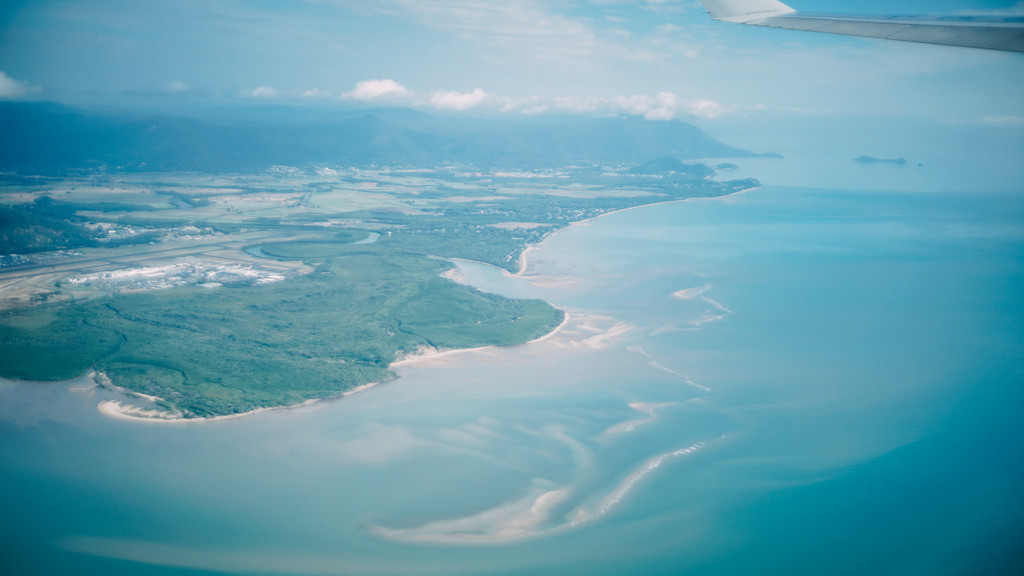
(531,247)
(427,356)
(120,410)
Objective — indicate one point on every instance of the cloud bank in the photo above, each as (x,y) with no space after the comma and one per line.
(383,89)
(11,89)
(660,106)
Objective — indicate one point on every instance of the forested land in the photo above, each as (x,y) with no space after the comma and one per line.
(210,352)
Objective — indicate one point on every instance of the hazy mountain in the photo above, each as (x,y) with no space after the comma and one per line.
(47,137)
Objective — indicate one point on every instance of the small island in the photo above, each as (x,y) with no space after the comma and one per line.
(873,160)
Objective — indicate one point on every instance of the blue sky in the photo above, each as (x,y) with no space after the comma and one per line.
(657,58)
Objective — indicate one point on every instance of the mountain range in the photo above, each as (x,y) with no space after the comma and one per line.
(46,138)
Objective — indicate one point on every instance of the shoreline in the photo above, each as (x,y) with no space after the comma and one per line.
(425,356)
(531,247)
(122,411)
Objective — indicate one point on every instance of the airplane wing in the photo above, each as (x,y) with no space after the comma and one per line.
(991,32)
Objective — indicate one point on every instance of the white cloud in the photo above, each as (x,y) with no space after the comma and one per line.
(529,107)
(444,100)
(262,92)
(667,106)
(664,106)
(391,92)
(11,89)
(660,106)
(315,93)
(710,108)
(384,88)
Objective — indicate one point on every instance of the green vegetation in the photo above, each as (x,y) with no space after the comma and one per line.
(475,230)
(46,343)
(230,350)
(47,225)
(373,294)
(42,225)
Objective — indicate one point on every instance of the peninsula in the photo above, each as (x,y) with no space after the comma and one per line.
(219,294)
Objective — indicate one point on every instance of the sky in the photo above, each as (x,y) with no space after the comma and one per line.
(660,59)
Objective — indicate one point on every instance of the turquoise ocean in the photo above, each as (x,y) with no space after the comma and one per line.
(824,375)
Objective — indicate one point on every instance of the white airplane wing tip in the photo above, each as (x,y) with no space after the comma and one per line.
(743,11)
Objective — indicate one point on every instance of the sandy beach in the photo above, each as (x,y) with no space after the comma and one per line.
(431,356)
(118,409)
(123,411)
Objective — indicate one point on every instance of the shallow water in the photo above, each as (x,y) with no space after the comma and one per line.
(792,380)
